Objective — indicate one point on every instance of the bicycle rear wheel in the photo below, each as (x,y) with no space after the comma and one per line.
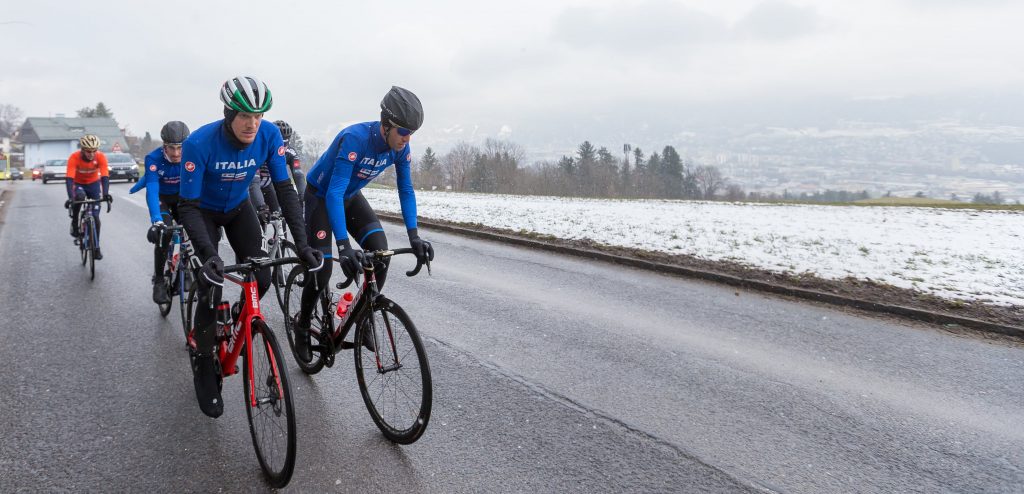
(279,274)
(395,379)
(318,327)
(268,404)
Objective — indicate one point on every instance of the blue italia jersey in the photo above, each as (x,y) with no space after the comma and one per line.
(358,155)
(162,177)
(218,174)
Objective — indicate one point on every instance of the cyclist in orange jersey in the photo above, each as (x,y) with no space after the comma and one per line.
(87,176)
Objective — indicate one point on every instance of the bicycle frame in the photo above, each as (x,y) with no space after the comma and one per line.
(179,245)
(364,300)
(241,331)
(274,234)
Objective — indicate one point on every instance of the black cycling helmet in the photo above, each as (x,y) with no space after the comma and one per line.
(402,108)
(174,132)
(286,130)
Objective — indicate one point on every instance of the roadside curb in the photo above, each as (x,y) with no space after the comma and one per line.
(829,298)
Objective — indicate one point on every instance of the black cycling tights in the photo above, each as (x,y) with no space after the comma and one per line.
(362,224)
(242,228)
(169,211)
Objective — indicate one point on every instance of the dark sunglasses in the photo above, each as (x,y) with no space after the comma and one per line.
(402,131)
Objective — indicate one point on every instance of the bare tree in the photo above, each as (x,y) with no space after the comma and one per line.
(457,163)
(312,149)
(734,192)
(11,118)
(504,157)
(709,180)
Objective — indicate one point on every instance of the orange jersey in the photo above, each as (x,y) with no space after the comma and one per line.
(87,172)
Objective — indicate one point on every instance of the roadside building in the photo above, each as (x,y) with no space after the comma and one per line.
(57,137)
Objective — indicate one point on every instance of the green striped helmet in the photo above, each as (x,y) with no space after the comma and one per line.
(246,94)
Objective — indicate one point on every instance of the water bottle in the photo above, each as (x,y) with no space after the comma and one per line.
(342,303)
(223,319)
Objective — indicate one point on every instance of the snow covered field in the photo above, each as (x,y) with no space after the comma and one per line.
(967,254)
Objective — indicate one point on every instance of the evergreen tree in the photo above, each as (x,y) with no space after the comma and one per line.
(671,173)
(586,161)
(100,110)
(651,186)
(429,170)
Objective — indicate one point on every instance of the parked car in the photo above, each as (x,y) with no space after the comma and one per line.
(16,174)
(55,170)
(122,167)
(37,172)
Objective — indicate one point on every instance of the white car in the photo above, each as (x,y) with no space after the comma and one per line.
(55,170)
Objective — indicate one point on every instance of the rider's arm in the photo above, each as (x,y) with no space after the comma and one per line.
(271,197)
(341,175)
(70,173)
(191,217)
(406,193)
(286,194)
(104,173)
(255,195)
(152,180)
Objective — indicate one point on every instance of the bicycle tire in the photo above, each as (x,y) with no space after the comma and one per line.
(290,308)
(171,284)
(273,398)
(81,245)
(189,311)
(182,291)
(404,420)
(279,276)
(93,245)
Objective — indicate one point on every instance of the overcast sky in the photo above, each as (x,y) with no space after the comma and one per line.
(524,69)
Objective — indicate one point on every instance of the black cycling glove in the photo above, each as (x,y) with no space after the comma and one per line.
(351,260)
(155,232)
(422,248)
(212,272)
(312,258)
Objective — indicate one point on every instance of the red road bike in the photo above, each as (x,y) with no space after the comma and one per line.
(243,332)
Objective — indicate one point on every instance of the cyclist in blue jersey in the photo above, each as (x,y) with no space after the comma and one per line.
(220,160)
(163,175)
(334,203)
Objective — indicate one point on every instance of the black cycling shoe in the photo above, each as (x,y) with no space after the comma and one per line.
(160,291)
(302,341)
(207,384)
(99,255)
(74,231)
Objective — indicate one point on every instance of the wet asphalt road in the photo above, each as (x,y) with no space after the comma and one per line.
(551,374)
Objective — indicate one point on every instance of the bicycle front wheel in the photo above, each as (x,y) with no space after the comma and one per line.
(81,247)
(394,379)
(93,244)
(279,274)
(268,404)
(172,287)
(187,305)
(320,326)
